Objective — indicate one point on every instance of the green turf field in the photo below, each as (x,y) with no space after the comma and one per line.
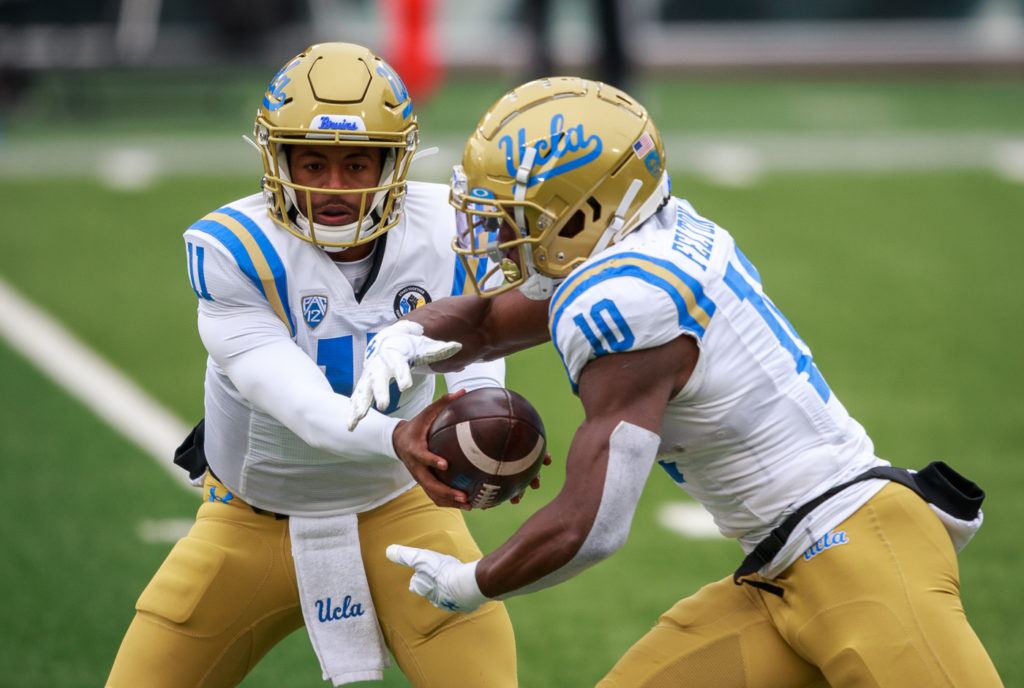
(906,284)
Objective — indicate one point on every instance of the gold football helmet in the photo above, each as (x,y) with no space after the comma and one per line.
(557,170)
(336,94)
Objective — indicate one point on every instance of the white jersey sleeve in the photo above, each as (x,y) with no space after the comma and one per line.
(625,302)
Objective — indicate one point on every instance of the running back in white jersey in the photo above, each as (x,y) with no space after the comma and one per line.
(756,431)
(258,284)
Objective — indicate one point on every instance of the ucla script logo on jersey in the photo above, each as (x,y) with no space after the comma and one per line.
(571,144)
(314,308)
(409,299)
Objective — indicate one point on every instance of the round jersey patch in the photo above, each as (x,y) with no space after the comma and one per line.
(409,299)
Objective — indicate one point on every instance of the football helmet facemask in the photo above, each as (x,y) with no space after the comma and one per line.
(557,170)
(336,94)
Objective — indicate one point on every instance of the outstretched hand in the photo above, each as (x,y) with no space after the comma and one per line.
(441,578)
(410,442)
(391,355)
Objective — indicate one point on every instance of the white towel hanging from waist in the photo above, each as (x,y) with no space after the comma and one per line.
(335,596)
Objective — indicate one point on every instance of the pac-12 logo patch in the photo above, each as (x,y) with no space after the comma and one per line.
(314,308)
(409,299)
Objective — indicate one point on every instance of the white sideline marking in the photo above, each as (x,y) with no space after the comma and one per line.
(731,158)
(128,169)
(689,519)
(93,381)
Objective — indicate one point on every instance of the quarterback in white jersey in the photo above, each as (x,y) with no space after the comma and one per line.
(316,343)
(680,358)
(292,285)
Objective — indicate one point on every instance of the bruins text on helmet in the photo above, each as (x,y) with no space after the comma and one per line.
(336,94)
(557,170)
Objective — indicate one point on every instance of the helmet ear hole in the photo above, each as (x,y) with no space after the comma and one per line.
(574,225)
(596,207)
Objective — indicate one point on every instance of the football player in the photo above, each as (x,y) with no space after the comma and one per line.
(292,284)
(681,361)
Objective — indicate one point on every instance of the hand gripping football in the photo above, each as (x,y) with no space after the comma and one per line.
(494,442)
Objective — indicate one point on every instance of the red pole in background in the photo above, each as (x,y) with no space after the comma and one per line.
(412,45)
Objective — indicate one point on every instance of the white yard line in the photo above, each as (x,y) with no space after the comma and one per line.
(93,381)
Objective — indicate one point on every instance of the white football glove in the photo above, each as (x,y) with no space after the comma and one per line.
(444,580)
(391,355)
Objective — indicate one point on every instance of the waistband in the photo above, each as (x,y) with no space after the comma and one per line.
(936,483)
(228,497)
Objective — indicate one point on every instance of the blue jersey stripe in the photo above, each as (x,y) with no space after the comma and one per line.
(459,280)
(747,265)
(694,313)
(273,286)
(269,252)
(234,246)
(481,269)
(459,286)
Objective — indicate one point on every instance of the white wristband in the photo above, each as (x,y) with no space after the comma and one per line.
(464,588)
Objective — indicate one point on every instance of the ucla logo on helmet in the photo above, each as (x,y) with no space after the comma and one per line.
(409,299)
(653,163)
(570,147)
(397,86)
(275,96)
(314,308)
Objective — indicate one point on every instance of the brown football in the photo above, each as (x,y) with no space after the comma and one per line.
(494,442)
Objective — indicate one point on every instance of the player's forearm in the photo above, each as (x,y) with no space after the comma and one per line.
(555,543)
(282,381)
(542,553)
(487,328)
(318,425)
(460,319)
(589,520)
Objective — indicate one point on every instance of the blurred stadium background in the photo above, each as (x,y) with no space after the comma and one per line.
(868,154)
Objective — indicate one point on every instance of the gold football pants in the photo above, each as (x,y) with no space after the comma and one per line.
(226,594)
(879,606)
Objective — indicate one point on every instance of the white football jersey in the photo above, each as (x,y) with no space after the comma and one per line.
(756,431)
(286,335)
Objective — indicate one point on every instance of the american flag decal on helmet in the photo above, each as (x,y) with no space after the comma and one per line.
(643,145)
